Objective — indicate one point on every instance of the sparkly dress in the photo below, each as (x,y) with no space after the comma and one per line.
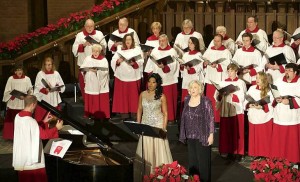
(156,150)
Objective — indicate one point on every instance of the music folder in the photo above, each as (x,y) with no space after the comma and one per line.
(17,94)
(91,40)
(193,62)
(296,37)
(145,130)
(255,42)
(225,90)
(279,59)
(115,38)
(216,61)
(93,67)
(146,48)
(56,88)
(128,57)
(262,102)
(165,60)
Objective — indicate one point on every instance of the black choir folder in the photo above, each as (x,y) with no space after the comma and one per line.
(241,68)
(130,57)
(17,94)
(91,40)
(146,48)
(145,130)
(296,37)
(193,62)
(279,59)
(51,89)
(225,90)
(115,38)
(217,61)
(255,42)
(262,102)
(165,60)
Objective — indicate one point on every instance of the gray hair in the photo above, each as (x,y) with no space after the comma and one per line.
(201,86)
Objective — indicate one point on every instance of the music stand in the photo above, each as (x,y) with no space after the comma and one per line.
(145,130)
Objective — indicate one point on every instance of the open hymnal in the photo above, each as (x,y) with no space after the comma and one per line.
(262,102)
(279,59)
(130,57)
(192,62)
(225,90)
(165,60)
(255,42)
(296,37)
(146,48)
(17,94)
(51,89)
(217,61)
(91,40)
(115,38)
(241,68)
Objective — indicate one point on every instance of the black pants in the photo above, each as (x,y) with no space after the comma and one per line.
(199,160)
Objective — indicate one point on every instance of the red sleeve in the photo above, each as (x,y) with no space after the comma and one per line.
(274,103)
(235,98)
(281,69)
(113,48)
(46,133)
(12,98)
(80,48)
(135,65)
(296,106)
(204,66)
(181,67)
(191,71)
(252,72)
(166,69)
(44,91)
(117,64)
(219,68)
(266,108)
(247,105)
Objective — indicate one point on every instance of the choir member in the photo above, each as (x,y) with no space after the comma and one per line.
(231,108)
(295,43)
(260,116)
(96,100)
(127,65)
(48,86)
(28,155)
(181,41)
(227,41)
(257,33)
(153,39)
(277,48)
(249,59)
(83,48)
(14,105)
(215,71)
(285,142)
(169,73)
(197,130)
(123,29)
(188,71)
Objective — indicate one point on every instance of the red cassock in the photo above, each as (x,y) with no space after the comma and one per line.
(8,126)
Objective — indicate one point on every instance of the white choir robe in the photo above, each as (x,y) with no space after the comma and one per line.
(118,33)
(28,152)
(227,42)
(285,137)
(295,33)
(13,83)
(260,124)
(273,51)
(152,41)
(53,79)
(182,39)
(260,34)
(246,57)
(296,47)
(82,52)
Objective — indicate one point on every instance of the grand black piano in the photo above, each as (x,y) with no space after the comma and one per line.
(81,163)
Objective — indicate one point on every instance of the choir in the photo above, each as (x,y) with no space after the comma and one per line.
(227,68)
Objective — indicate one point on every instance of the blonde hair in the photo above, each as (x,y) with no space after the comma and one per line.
(97,46)
(156,24)
(48,59)
(187,22)
(89,22)
(264,84)
(201,86)
(220,29)
(164,36)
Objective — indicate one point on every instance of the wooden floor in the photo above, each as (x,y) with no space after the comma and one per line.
(222,170)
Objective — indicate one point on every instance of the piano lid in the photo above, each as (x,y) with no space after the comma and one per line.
(93,133)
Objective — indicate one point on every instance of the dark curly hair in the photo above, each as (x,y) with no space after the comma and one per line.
(159,89)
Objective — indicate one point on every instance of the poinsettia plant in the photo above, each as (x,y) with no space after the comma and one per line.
(170,173)
(24,43)
(275,170)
